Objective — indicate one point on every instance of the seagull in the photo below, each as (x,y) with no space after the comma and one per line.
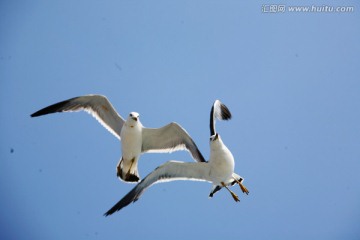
(135,138)
(219,170)
(221,112)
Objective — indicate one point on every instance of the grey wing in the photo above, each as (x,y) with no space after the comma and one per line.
(98,106)
(169,138)
(218,111)
(169,171)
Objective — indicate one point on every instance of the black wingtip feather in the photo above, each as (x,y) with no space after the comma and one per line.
(131,197)
(117,207)
(110,212)
(212,127)
(217,188)
(221,112)
(225,112)
(52,108)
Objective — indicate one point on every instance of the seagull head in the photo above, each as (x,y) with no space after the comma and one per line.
(133,116)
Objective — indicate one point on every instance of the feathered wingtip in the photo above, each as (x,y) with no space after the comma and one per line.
(221,111)
(132,196)
(214,190)
(218,111)
(57,107)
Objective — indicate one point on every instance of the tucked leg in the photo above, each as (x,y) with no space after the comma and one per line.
(119,171)
(128,174)
(128,177)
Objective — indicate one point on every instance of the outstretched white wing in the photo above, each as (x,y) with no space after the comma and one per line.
(169,138)
(97,105)
(169,171)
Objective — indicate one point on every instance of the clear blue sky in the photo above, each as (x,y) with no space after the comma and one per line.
(290,79)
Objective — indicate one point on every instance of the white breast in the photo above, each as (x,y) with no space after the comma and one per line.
(131,141)
(222,164)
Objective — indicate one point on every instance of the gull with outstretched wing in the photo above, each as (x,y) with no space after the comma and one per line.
(135,138)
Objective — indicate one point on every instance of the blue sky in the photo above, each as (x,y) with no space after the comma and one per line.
(291,81)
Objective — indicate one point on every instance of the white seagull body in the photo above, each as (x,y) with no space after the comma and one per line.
(135,138)
(219,170)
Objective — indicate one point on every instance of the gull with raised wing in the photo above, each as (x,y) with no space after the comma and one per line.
(221,112)
(135,138)
(219,170)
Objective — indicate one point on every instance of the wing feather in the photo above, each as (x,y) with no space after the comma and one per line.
(169,138)
(218,111)
(169,171)
(97,105)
